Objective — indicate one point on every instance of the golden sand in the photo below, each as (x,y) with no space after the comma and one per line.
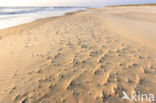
(86,57)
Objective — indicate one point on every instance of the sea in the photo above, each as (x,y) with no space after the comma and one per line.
(13,16)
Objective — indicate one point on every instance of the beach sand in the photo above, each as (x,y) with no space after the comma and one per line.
(90,56)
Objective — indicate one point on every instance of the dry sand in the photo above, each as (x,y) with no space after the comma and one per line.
(84,57)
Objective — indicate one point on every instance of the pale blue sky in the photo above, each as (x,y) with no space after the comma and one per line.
(70,2)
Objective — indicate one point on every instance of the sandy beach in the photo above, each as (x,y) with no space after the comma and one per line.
(90,56)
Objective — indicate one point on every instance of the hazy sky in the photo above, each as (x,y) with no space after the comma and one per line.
(70,2)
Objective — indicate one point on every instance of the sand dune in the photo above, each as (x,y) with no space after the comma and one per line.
(85,57)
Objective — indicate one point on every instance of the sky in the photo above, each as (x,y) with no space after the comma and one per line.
(70,2)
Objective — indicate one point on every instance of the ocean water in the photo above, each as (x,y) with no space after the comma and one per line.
(13,16)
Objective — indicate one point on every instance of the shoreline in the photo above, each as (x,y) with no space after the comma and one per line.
(43,18)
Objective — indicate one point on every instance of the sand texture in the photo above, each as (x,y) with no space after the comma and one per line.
(85,57)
